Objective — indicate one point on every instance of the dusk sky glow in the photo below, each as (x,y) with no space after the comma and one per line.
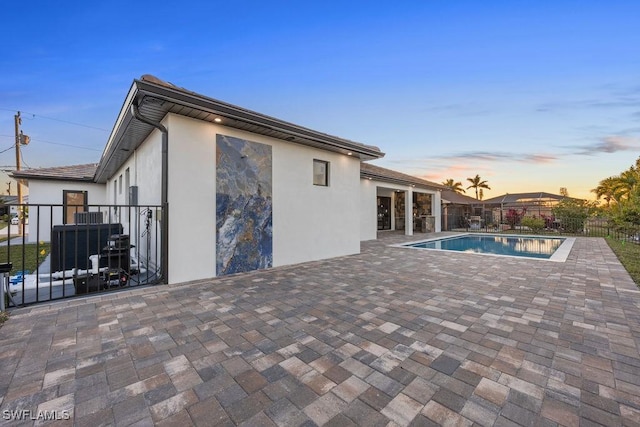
(530,95)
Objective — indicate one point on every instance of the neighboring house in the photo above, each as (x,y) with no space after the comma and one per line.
(240,190)
(392,190)
(531,204)
(72,187)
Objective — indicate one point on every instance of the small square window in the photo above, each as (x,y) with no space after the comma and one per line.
(320,173)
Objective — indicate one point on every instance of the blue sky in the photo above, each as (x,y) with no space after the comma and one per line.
(531,95)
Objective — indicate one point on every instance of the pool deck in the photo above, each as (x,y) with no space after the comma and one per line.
(389,337)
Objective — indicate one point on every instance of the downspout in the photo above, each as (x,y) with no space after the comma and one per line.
(164,197)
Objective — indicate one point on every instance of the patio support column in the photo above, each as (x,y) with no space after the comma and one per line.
(394,198)
(408,212)
(436,210)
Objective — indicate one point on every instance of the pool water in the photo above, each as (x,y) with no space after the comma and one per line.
(521,246)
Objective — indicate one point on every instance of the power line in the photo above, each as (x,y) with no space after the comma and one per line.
(66,145)
(57,120)
(54,143)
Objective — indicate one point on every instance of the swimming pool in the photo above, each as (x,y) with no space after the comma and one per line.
(547,248)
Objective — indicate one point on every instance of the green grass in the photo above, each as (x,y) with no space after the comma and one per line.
(33,255)
(629,255)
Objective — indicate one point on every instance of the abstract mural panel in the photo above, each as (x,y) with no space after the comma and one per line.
(244,207)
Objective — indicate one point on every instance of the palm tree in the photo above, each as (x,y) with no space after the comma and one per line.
(627,182)
(607,189)
(455,186)
(477,183)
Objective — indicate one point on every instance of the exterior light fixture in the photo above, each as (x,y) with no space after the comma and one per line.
(349,153)
(217,120)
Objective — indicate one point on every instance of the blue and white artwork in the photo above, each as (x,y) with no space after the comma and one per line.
(244,208)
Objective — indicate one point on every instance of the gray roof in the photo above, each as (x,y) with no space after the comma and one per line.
(387,175)
(60,173)
(523,197)
(458,199)
(156,98)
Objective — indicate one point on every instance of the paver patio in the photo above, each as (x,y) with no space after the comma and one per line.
(389,337)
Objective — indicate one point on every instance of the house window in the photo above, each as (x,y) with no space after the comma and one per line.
(127,184)
(120,185)
(320,173)
(73,202)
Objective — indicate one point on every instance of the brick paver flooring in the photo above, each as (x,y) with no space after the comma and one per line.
(390,337)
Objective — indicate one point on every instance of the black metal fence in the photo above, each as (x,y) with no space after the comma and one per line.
(61,251)
(588,227)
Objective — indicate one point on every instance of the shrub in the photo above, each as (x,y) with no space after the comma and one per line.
(536,224)
(513,217)
(572,213)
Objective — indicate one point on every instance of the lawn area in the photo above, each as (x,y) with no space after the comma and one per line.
(34,254)
(629,255)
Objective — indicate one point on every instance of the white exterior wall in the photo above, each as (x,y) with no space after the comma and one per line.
(145,172)
(313,222)
(309,222)
(49,192)
(368,210)
(192,199)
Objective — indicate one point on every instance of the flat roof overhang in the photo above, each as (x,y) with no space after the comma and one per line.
(155,99)
(391,180)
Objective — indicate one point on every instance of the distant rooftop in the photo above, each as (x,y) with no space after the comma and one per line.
(524,197)
(376,172)
(66,173)
(458,199)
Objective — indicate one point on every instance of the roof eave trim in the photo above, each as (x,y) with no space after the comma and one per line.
(123,120)
(51,178)
(200,102)
(381,178)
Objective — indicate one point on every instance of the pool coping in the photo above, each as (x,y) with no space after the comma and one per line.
(560,255)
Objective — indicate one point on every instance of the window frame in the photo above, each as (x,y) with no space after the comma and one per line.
(326,164)
(66,205)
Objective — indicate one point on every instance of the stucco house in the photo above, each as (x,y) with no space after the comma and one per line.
(69,186)
(236,190)
(538,204)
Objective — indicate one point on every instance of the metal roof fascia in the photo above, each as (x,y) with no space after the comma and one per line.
(367,175)
(124,118)
(213,106)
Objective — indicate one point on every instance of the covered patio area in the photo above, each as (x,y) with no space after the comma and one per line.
(402,202)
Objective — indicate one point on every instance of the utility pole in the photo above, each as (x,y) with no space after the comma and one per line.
(18,122)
